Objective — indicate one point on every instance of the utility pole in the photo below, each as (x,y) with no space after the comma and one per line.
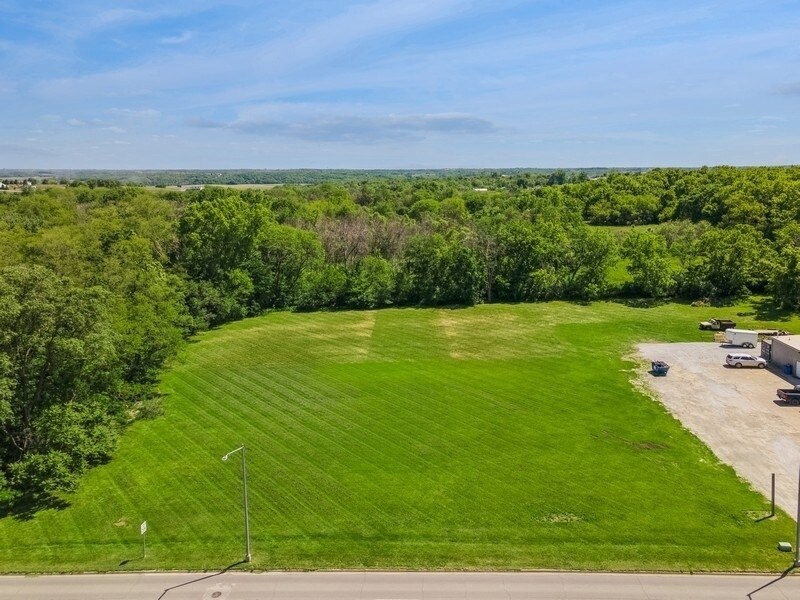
(247,556)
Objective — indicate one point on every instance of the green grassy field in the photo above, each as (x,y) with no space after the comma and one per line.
(494,437)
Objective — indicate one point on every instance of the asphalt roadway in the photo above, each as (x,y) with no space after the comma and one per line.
(233,585)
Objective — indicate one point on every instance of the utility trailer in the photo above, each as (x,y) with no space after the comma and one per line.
(745,338)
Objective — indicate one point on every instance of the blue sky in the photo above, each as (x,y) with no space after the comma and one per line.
(398,83)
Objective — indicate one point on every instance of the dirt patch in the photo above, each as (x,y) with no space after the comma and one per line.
(560,518)
(734,411)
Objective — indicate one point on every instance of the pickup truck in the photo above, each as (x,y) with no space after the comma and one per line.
(791,396)
(717,324)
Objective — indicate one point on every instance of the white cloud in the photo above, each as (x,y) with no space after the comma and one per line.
(119,15)
(178,39)
(134,113)
(317,44)
(96,123)
(350,128)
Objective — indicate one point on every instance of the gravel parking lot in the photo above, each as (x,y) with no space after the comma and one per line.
(734,411)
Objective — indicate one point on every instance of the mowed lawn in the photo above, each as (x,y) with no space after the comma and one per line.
(493,437)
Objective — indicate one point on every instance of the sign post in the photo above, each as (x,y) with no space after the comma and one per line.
(797,540)
(143,531)
(772,513)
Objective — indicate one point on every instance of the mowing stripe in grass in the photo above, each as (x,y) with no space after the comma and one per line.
(497,436)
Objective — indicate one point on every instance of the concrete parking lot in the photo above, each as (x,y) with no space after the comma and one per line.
(734,411)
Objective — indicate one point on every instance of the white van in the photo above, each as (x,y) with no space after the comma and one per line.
(745,360)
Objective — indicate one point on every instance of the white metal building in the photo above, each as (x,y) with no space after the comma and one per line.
(783,350)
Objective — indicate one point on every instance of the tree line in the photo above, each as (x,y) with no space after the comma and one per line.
(100,284)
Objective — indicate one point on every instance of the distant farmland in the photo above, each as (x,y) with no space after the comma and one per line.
(495,437)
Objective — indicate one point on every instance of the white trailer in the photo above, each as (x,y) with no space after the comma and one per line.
(745,338)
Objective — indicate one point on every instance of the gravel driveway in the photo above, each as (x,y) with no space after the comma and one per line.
(734,411)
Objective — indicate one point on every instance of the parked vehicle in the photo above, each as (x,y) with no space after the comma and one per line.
(745,360)
(659,367)
(745,338)
(717,324)
(791,396)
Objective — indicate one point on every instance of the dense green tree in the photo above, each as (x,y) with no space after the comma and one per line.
(322,287)
(531,264)
(785,280)
(586,258)
(219,235)
(59,370)
(461,273)
(516,241)
(785,277)
(372,285)
(736,260)
(146,309)
(649,263)
(283,253)
(419,276)
(426,209)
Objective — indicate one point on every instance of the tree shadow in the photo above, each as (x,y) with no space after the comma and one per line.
(774,581)
(24,508)
(643,302)
(764,309)
(204,577)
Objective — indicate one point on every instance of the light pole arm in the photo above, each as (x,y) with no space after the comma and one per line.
(234,451)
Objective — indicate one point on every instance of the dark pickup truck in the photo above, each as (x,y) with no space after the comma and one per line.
(791,396)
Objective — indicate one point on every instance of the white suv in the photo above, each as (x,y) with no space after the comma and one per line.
(745,360)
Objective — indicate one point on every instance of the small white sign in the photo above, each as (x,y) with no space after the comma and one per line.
(143,527)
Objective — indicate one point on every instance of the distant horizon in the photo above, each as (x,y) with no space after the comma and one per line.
(387,85)
(4,170)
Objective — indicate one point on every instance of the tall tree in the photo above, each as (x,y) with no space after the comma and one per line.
(649,263)
(59,371)
(282,254)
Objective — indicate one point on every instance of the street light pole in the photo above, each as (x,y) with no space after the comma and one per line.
(247,556)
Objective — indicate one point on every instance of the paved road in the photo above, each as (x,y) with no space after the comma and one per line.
(397,586)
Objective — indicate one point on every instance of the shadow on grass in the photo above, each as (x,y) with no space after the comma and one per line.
(203,578)
(765,517)
(643,302)
(25,508)
(764,309)
(773,582)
